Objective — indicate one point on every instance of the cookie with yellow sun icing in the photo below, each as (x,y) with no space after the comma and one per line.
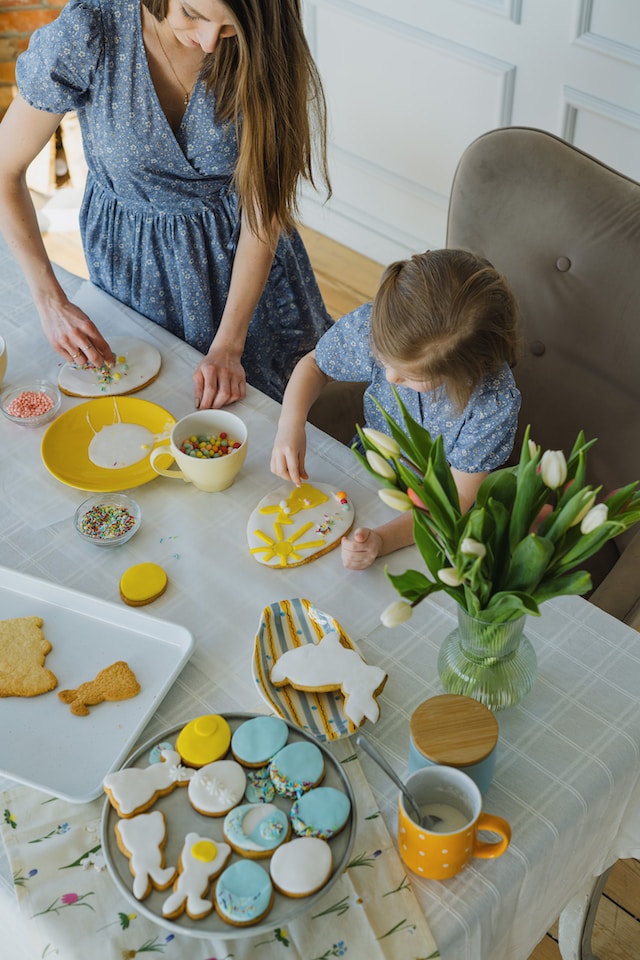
(293,525)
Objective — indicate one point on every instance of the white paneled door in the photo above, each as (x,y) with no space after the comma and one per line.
(410,83)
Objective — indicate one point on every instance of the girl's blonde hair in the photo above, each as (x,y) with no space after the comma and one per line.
(449,317)
(265,80)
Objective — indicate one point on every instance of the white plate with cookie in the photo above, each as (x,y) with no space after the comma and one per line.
(182,820)
(137,364)
(46,742)
(342,689)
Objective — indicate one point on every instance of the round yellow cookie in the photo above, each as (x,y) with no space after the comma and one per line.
(142,584)
(204,740)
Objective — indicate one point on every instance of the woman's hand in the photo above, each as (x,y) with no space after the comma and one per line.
(287,456)
(73,334)
(219,379)
(360,552)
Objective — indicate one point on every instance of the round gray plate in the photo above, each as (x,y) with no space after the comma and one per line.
(182,818)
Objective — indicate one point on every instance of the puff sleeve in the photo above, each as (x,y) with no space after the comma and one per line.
(56,71)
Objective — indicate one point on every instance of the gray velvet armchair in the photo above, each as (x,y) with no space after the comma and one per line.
(565,230)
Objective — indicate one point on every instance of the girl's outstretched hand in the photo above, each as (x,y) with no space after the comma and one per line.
(287,456)
(362,549)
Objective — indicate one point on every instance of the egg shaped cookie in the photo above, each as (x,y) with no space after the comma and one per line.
(256,741)
(322,812)
(244,893)
(204,740)
(256,829)
(217,787)
(260,788)
(297,768)
(301,866)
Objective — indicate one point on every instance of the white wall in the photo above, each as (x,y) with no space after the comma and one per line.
(411,82)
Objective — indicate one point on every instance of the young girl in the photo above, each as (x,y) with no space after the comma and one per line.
(443,330)
(198,119)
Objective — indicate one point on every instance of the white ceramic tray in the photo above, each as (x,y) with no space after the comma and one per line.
(181,818)
(43,744)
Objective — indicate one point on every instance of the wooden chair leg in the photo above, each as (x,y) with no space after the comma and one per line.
(577,919)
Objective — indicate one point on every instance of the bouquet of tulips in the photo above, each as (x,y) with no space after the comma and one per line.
(523,542)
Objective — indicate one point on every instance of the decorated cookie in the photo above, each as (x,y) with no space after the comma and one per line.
(132,790)
(204,740)
(255,829)
(301,866)
(260,788)
(136,365)
(201,860)
(142,584)
(243,893)
(296,524)
(217,787)
(296,768)
(322,812)
(329,665)
(142,839)
(256,741)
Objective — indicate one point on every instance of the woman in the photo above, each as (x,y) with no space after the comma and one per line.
(198,119)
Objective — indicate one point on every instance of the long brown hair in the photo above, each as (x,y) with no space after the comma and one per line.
(449,317)
(265,80)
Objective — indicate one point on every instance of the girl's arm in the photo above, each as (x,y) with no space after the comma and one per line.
(289,448)
(24,132)
(220,377)
(366,545)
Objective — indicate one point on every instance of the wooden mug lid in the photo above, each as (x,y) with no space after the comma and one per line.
(454,730)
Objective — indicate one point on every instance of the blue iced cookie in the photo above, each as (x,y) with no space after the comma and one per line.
(256,829)
(297,768)
(322,812)
(243,893)
(256,741)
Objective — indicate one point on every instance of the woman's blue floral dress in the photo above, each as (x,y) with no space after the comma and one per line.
(159,219)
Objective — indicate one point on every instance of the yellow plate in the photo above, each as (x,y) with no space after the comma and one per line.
(65,445)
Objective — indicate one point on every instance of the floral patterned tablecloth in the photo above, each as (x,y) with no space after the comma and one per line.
(73,910)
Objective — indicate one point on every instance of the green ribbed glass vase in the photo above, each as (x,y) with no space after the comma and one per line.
(491,662)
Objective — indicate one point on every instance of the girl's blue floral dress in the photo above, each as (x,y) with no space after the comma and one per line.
(159,219)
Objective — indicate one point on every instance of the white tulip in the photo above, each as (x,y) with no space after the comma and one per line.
(473,547)
(385,444)
(380,466)
(450,576)
(395,499)
(553,468)
(595,518)
(396,613)
(533,448)
(589,499)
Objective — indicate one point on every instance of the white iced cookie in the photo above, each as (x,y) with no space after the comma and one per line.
(328,665)
(301,867)
(217,787)
(142,839)
(132,790)
(137,364)
(201,860)
(293,525)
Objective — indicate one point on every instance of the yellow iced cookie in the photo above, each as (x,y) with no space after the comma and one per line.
(142,584)
(204,740)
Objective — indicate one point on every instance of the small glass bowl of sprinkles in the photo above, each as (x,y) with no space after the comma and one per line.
(32,403)
(108,519)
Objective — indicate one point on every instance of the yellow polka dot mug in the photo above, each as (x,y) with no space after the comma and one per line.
(443,851)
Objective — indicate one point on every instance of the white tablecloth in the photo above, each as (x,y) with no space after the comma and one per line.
(567,767)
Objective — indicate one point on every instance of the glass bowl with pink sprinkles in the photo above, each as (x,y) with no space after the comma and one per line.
(108,519)
(32,403)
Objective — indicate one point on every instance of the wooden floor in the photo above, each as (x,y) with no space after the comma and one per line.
(346,280)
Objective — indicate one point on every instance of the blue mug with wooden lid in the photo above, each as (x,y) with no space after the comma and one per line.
(454,731)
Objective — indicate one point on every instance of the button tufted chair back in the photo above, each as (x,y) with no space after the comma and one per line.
(565,231)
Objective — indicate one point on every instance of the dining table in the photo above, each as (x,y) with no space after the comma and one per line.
(567,774)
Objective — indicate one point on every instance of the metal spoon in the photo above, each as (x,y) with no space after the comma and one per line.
(426,820)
